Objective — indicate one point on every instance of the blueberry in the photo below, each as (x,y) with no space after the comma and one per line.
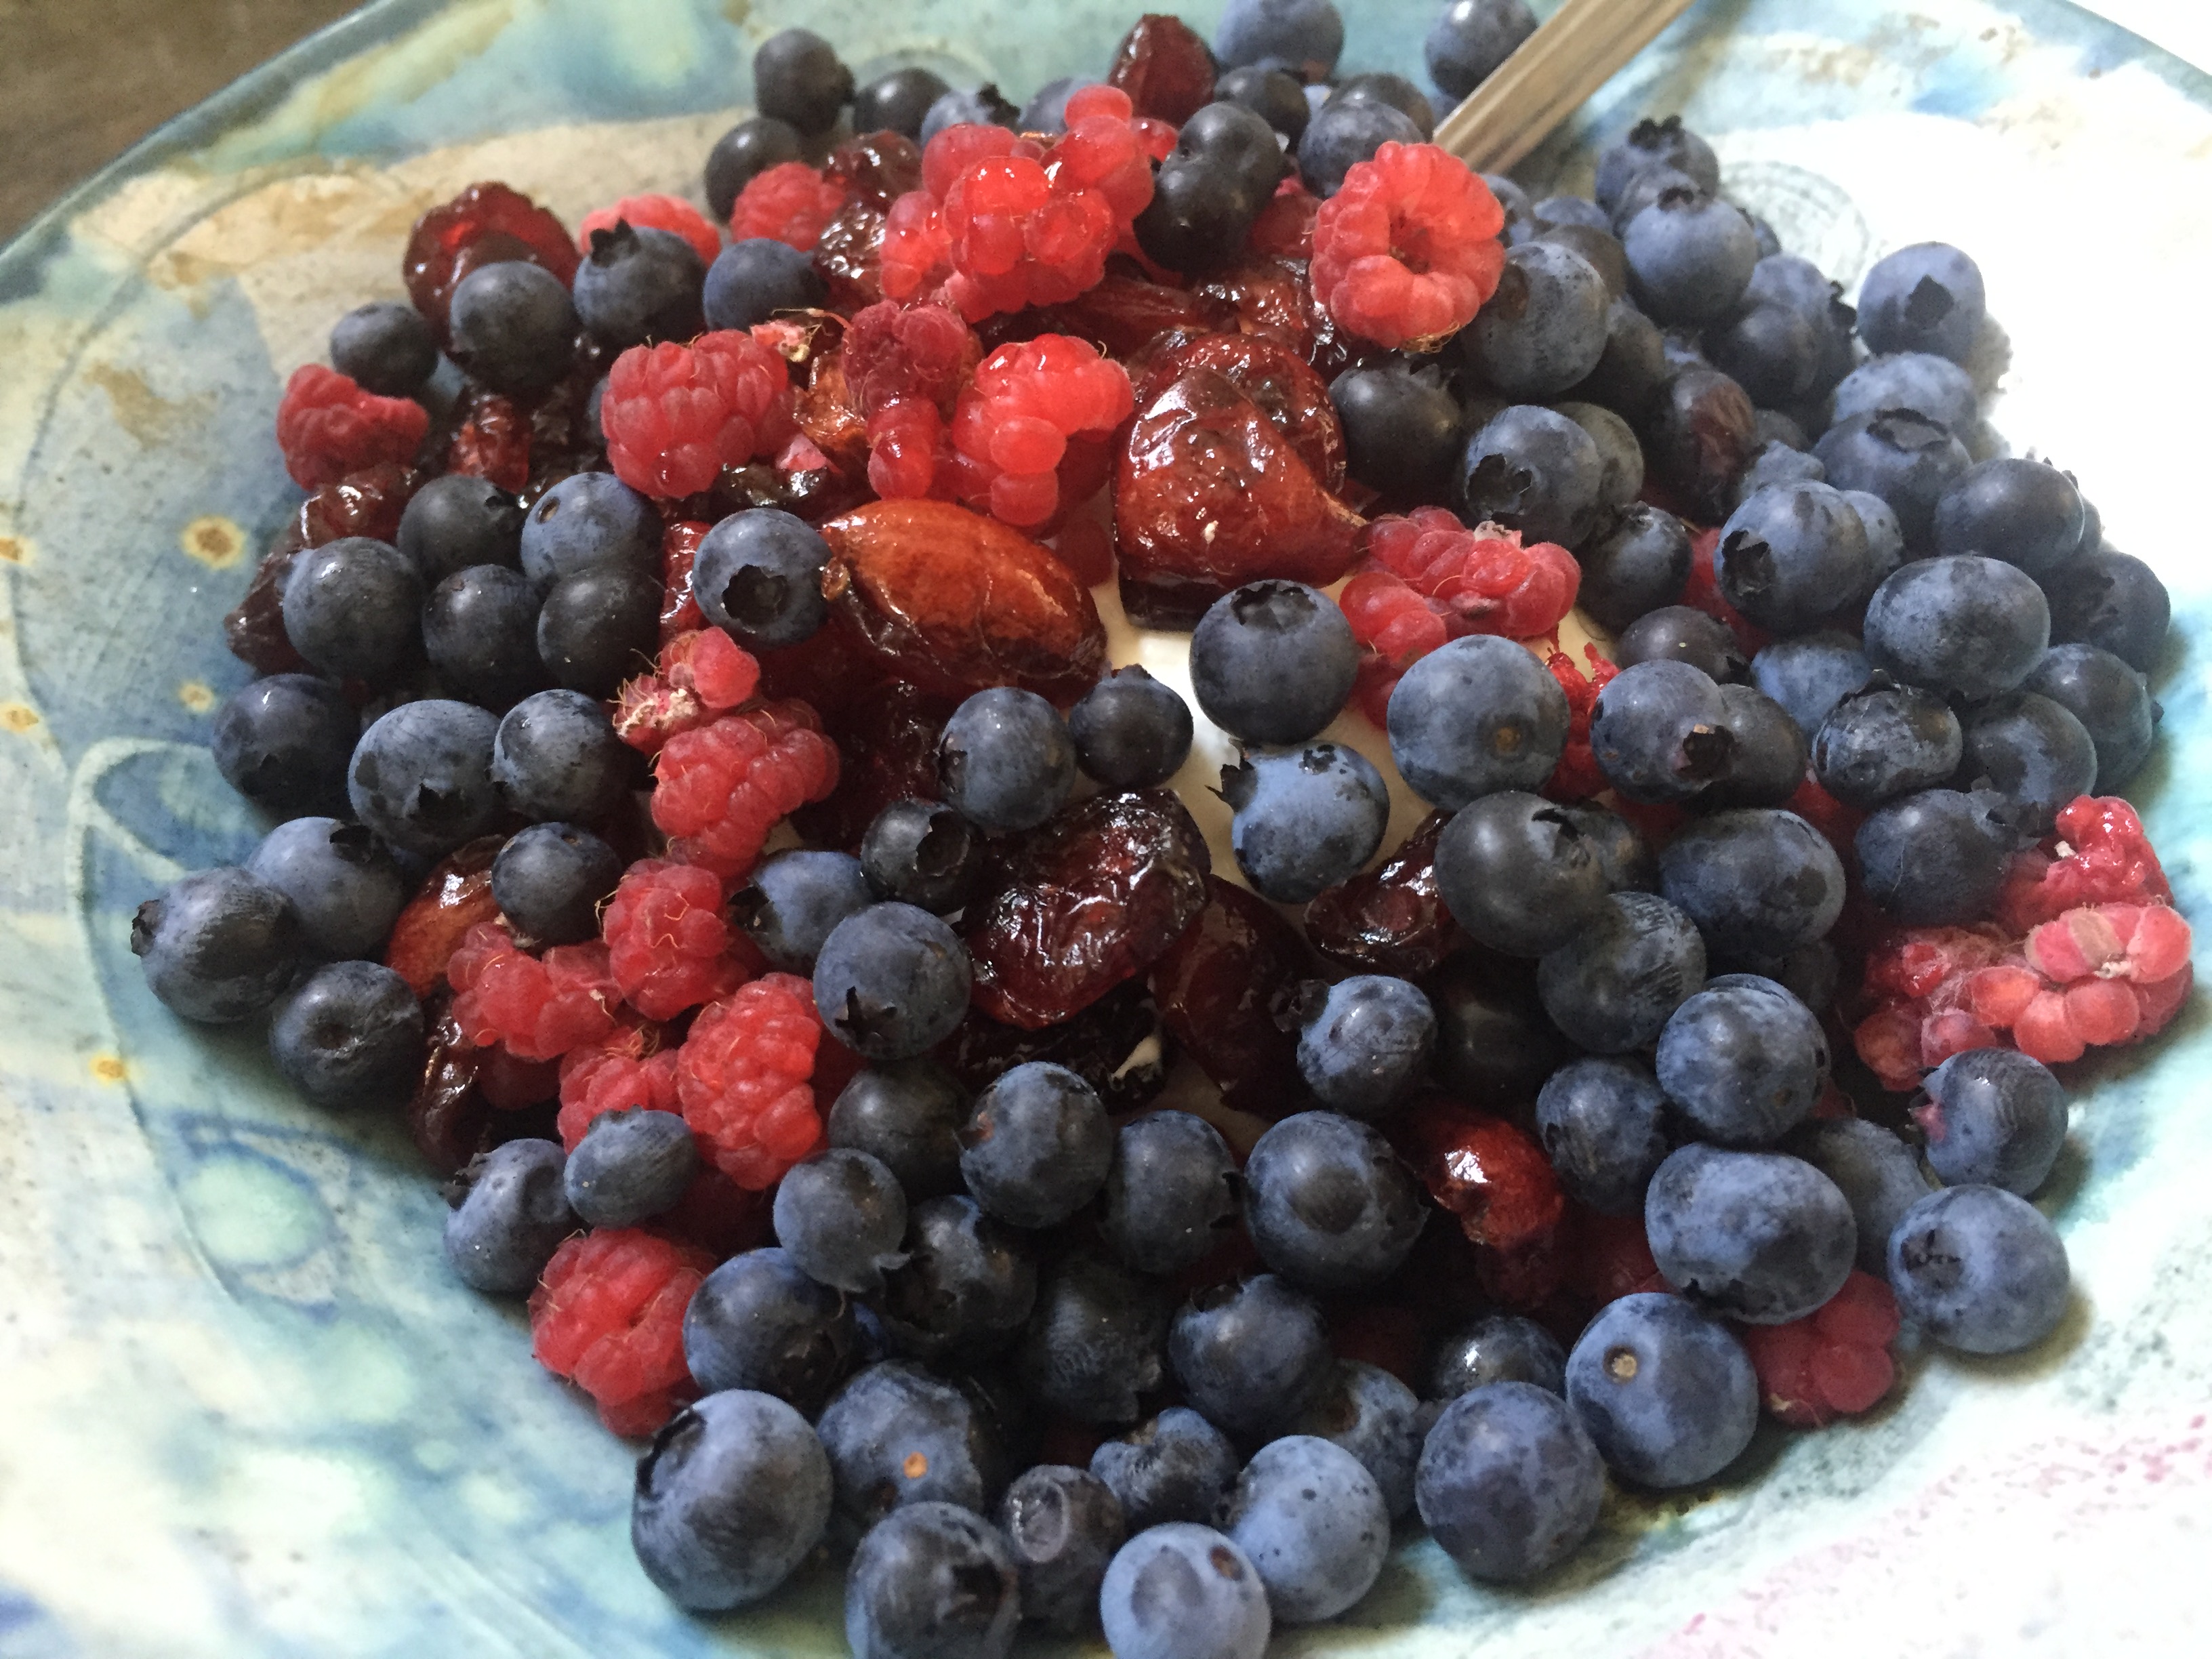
(1664,1391)
(551,879)
(599,628)
(840,1217)
(1303,37)
(385,347)
(1906,458)
(218,946)
(351,607)
(1679,633)
(1637,561)
(1884,742)
(1771,351)
(1046,109)
(2111,600)
(1382,87)
(1170,1193)
(1743,1060)
(1222,172)
(1768,766)
(907,1112)
(350,1034)
(979,107)
(1697,438)
(1690,257)
(1994,1117)
(1774,464)
(1093,1342)
(1545,328)
(967,1284)
(2112,701)
(457,520)
(2030,751)
(1532,470)
(1590,238)
(1927,297)
(1645,188)
(1876,1173)
(1304,822)
(1328,1204)
(1625,856)
(1979,1269)
(513,325)
(1475,716)
(1799,285)
(1495,1045)
(1758,881)
(752,280)
(631,1164)
(345,886)
(1365,1043)
(1183,1591)
(1653,143)
(1791,555)
(1520,874)
(1809,675)
(897,101)
(1062,1526)
(1602,1125)
(1930,386)
(1776,428)
(1620,458)
(1470,39)
(1250,1355)
(1633,369)
(1270,94)
(1006,759)
(1496,1348)
(1130,731)
(733,1495)
(742,154)
(555,756)
(1378,1419)
(510,1213)
(480,632)
(1509,1483)
(1659,731)
(897,1436)
(1272,662)
(587,520)
(1937,859)
(932,1579)
(2025,511)
(421,776)
(794,900)
(284,743)
(1177,1467)
(1313,1525)
(1760,1236)
(637,285)
(1344,133)
(1579,212)
(924,853)
(1036,1146)
(799,78)
(758,1321)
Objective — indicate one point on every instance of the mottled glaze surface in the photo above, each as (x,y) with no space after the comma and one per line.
(247,1411)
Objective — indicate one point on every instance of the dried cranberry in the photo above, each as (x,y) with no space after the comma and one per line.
(1165,67)
(887,737)
(830,416)
(254,629)
(1122,314)
(1119,1045)
(849,256)
(447,1119)
(1273,299)
(717,1215)
(1700,439)
(484,224)
(1390,921)
(1089,900)
(1272,376)
(830,671)
(1219,987)
(454,897)
(365,503)
(679,607)
(876,167)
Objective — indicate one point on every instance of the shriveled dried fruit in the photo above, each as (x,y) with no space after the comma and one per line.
(1220,988)
(1119,1045)
(454,898)
(1392,920)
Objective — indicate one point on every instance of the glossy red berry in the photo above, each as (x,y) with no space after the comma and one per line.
(675,415)
(328,427)
(1407,252)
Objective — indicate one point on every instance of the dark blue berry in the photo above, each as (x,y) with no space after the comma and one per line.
(1519,873)
(1644,189)
(510,1213)
(1345,132)
(908,1114)
(1272,95)
(1093,1342)
(550,879)
(898,1435)
(1177,1467)
(1545,328)
(1776,465)
(1791,555)
(1690,257)
(218,946)
(385,347)
(1614,984)
(1312,1522)
(1620,458)
(1918,380)
(923,852)
(891,981)
(1602,1125)
(1382,87)
(1633,369)
(1306,821)
(2025,511)
(1884,742)
(1885,536)
(1183,1591)
(758,574)
(1906,458)
(1937,858)
(1664,1391)
(1651,142)
(1496,1348)
(1272,662)
(2112,701)
(1768,766)
(798,78)
(1681,633)
(1877,1174)
(1660,731)
(283,744)
(1470,39)
(752,280)
(1006,759)
(1698,436)
(1532,470)
(1927,297)
(1302,37)
(639,285)
(1774,427)
(2112,600)
(757,1321)
(1743,1060)
(556,757)
(459,520)
(1636,561)
(1760,1236)
(840,1217)
(742,154)
(932,1579)
(1171,1193)
(1365,1043)
(1758,881)
(1995,1117)
(1799,285)
(733,1495)
(632,1164)
(1046,109)
(350,1034)
(1036,1146)
(1586,232)
(1377,1419)
(1495,1044)
(345,887)
(967,1285)
(1771,351)
(1250,1355)
(1475,716)
(1062,1526)
(351,607)
(1328,1204)
(1223,171)
(1509,1482)
(2030,751)
(480,632)
(514,326)
(981,106)
(1402,429)
(1130,731)
(1809,675)
(599,628)
(897,101)
(793,901)
(1979,1269)
(587,520)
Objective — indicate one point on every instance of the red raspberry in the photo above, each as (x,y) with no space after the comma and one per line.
(675,415)
(328,427)
(701,672)
(744,1077)
(1032,406)
(1407,250)
(609,1316)
(668,945)
(721,788)
(1497,1182)
(611,1077)
(671,213)
(493,442)
(893,354)
(1577,777)
(536,1008)
(1832,1363)
(788,203)
(2098,855)
(483,225)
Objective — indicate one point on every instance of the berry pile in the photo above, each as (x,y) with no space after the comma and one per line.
(705,805)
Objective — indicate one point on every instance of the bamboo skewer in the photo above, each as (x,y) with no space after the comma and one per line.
(1573,53)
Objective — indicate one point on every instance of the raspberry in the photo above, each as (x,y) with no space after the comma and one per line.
(675,415)
(1407,250)
(744,1077)
(328,427)
(668,945)
(908,446)
(722,787)
(493,442)
(481,226)
(1577,777)
(894,353)
(2098,856)
(609,1316)
(1832,1363)
(1031,407)
(789,203)
(610,1079)
(536,1008)
(1497,1182)
(671,213)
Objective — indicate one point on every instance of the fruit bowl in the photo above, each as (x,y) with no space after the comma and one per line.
(249,1409)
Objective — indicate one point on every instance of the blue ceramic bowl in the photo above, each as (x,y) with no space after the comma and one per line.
(246,1410)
